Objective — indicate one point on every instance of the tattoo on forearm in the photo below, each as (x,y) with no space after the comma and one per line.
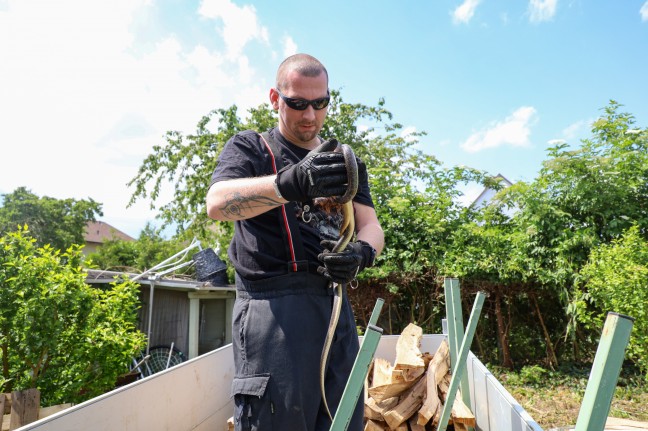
(237,205)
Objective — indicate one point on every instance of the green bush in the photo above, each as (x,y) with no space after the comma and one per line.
(57,333)
(615,279)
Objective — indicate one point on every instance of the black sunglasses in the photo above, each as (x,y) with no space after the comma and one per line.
(299,104)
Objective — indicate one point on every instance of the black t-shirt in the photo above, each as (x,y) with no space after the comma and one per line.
(258,249)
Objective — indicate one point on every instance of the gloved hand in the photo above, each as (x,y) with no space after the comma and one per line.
(343,267)
(321,173)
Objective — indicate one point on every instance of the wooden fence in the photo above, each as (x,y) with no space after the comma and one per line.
(23,407)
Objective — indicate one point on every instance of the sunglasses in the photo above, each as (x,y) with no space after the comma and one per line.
(299,104)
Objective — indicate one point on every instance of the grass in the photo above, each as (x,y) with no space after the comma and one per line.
(553,398)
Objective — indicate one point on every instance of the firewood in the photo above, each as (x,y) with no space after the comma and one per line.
(408,404)
(372,425)
(410,394)
(414,426)
(375,410)
(380,393)
(436,372)
(408,355)
(382,372)
(461,414)
(402,427)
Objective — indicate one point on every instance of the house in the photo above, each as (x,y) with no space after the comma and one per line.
(488,193)
(98,232)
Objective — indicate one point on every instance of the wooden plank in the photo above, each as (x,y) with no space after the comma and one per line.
(24,407)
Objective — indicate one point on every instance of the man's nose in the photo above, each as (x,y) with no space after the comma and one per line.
(309,113)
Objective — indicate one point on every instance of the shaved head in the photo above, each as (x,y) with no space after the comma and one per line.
(303,64)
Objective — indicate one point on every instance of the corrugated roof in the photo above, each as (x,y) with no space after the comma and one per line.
(100,232)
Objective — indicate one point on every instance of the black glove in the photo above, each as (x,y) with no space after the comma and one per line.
(321,173)
(343,267)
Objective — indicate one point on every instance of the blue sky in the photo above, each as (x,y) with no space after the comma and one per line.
(88,87)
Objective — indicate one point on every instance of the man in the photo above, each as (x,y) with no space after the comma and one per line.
(270,186)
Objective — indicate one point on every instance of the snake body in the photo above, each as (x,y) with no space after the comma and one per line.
(347,229)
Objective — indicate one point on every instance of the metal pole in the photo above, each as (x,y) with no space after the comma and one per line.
(355,383)
(605,373)
(456,332)
(461,361)
(150,316)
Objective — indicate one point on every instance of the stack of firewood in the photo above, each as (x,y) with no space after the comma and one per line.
(409,395)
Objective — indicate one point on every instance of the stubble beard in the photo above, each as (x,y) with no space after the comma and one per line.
(306,136)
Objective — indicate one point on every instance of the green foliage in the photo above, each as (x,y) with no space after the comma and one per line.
(616,279)
(58,222)
(57,333)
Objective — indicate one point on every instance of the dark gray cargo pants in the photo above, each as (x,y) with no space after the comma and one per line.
(279,326)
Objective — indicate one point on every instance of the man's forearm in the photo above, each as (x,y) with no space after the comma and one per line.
(243,198)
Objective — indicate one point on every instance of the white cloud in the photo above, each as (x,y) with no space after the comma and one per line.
(80,109)
(553,142)
(240,24)
(464,13)
(289,47)
(513,131)
(576,129)
(406,133)
(644,11)
(542,10)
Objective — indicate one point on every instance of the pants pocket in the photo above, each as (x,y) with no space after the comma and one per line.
(253,405)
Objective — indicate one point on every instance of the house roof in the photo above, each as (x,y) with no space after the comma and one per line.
(100,232)
(484,195)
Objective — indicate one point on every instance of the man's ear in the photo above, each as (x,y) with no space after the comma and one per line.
(274,99)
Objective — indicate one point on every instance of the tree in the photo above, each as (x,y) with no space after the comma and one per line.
(58,222)
(57,333)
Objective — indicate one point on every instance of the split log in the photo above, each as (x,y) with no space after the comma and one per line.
(408,404)
(375,410)
(409,358)
(436,372)
(461,414)
(414,426)
(382,372)
(372,425)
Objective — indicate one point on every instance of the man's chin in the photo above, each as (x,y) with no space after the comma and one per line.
(306,136)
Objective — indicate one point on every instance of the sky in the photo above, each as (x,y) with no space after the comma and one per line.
(88,87)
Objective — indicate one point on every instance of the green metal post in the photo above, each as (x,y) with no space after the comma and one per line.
(605,373)
(356,380)
(461,361)
(454,316)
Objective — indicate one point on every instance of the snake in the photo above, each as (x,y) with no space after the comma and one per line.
(347,229)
